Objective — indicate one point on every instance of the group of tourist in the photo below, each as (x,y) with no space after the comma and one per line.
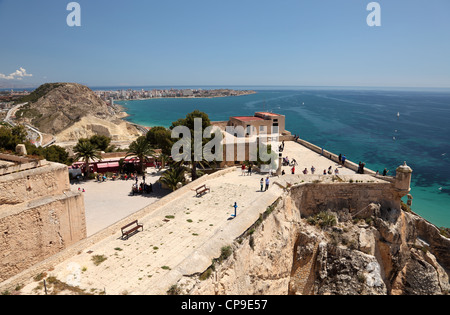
(249,169)
(287,162)
(142,188)
(313,171)
(385,172)
(101,178)
(124,176)
(266,182)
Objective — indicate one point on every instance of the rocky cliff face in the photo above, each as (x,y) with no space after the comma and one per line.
(60,105)
(380,251)
(73,111)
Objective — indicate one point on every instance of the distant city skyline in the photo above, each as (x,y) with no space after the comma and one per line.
(232,43)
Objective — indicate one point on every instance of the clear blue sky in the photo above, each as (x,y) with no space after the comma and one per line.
(212,42)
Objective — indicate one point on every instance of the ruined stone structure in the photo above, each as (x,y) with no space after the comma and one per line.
(39,215)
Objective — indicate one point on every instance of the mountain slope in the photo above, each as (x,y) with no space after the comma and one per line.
(53,107)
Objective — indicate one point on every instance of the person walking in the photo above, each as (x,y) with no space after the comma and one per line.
(267,183)
(262,184)
(313,169)
(343,160)
(243,169)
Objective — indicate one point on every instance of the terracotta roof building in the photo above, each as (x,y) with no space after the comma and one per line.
(260,123)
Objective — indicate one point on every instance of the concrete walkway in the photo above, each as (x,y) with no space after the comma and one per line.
(109,202)
(179,239)
(307,158)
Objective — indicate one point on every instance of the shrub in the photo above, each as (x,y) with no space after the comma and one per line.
(226,252)
(206,274)
(98,259)
(174,290)
(445,232)
(323,219)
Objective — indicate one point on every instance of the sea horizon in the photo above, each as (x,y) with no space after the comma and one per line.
(244,87)
(273,87)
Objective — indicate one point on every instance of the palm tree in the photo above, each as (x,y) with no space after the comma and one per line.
(142,149)
(173,176)
(86,151)
(164,158)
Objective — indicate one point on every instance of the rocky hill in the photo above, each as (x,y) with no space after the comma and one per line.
(54,108)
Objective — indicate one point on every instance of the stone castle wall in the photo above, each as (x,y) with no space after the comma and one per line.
(39,217)
(280,257)
(312,199)
(48,180)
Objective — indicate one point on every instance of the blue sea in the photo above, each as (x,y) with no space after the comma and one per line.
(361,123)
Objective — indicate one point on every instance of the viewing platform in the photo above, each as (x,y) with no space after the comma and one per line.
(182,233)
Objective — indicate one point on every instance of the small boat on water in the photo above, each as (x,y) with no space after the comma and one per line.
(398,114)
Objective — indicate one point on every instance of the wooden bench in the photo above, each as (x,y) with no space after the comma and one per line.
(131,228)
(201,190)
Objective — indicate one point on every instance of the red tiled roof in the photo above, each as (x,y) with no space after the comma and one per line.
(267,114)
(248,118)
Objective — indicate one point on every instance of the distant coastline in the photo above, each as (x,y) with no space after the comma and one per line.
(121,109)
(136,95)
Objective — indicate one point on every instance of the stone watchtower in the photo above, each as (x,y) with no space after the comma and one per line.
(403,179)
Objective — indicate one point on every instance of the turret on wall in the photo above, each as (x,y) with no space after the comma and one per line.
(403,179)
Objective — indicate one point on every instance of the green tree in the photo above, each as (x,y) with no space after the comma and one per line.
(189,123)
(86,151)
(11,137)
(5,138)
(57,154)
(160,138)
(53,153)
(142,149)
(101,142)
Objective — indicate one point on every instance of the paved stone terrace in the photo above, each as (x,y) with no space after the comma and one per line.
(182,233)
